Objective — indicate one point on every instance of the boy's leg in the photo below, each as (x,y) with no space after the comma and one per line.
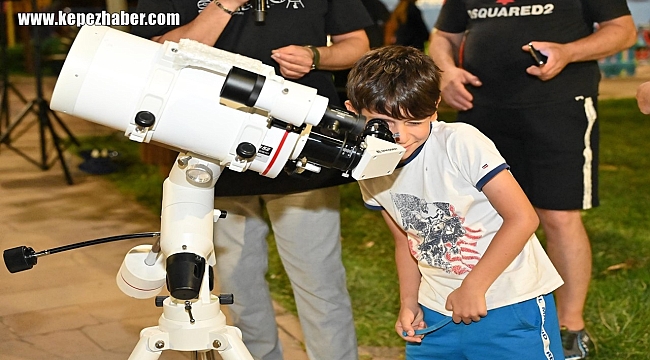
(307,233)
(442,344)
(242,263)
(527,330)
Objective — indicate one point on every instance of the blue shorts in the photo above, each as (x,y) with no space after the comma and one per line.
(526,330)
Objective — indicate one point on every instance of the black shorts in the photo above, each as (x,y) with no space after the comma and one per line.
(552,150)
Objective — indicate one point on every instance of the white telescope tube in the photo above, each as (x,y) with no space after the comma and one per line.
(110,76)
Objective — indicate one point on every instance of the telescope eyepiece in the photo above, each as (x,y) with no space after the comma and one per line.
(379,129)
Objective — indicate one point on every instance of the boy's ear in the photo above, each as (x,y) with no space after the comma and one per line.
(348,105)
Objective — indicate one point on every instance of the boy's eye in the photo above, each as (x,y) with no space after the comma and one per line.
(414,123)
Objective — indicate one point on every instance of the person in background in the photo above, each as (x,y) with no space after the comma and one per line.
(406,26)
(294,39)
(475,283)
(643,97)
(540,111)
(379,14)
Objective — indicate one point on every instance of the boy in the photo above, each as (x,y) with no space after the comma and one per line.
(465,246)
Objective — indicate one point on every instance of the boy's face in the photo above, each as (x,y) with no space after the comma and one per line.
(411,133)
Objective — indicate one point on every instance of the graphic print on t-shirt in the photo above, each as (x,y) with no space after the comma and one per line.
(436,234)
(293,4)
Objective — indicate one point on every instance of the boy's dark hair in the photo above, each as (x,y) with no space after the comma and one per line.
(397,81)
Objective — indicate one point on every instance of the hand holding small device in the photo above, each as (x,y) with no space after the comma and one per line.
(540,59)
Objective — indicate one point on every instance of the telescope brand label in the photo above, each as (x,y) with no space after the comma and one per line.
(264,152)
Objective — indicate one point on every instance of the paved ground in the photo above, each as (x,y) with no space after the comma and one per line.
(68,306)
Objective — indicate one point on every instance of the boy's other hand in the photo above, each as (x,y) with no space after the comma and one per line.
(466,305)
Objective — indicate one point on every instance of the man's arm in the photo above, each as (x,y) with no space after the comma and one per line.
(206,27)
(519,222)
(295,61)
(611,37)
(345,50)
(443,49)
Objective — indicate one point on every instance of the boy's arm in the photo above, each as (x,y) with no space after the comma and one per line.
(519,222)
(410,316)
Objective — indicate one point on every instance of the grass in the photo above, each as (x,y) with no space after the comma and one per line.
(618,304)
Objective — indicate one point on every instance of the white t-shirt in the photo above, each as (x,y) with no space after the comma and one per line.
(435,197)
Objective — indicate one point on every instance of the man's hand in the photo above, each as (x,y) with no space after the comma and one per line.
(409,320)
(558,58)
(295,61)
(453,88)
(466,305)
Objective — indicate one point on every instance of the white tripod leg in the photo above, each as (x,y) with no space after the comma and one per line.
(235,349)
(142,350)
(208,331)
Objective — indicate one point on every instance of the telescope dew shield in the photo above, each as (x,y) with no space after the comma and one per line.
(109,77)
(103,76)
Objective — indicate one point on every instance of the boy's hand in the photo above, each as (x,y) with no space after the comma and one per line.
(466,305)
(409,320)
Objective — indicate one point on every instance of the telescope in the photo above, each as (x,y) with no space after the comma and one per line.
(222,112)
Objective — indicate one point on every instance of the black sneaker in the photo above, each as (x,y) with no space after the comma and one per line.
(576,344)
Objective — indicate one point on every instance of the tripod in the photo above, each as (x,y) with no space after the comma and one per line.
(38,106)
(7,86)
(192,319)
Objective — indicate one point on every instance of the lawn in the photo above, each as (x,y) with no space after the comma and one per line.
(619,299)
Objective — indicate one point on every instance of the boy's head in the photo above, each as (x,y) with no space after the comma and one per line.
(400,85)
(400,82)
